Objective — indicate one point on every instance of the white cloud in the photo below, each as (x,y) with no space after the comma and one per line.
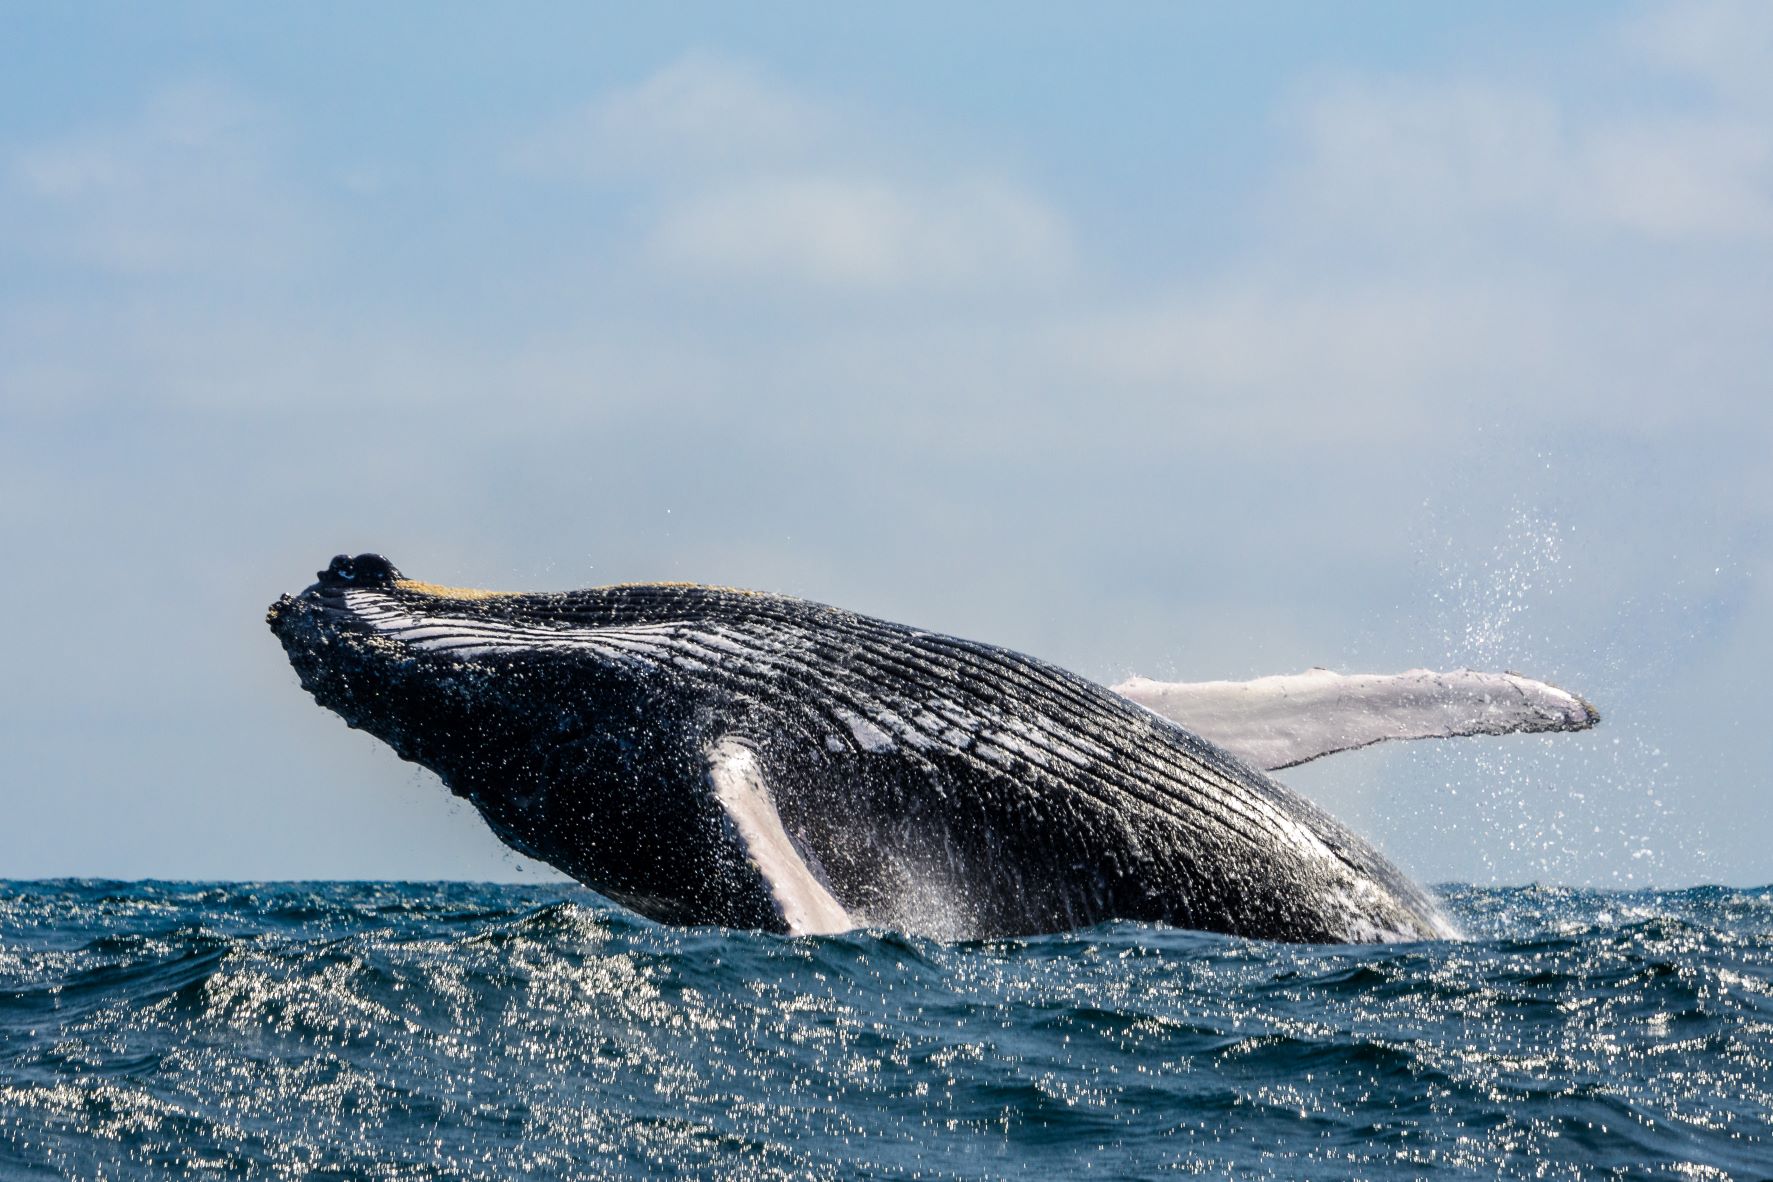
(1420,151)
(1725,44)
(1373,362)
(183,186)
(1439,253)
(857,232)
(1420,156)
(1678,178)
(750,182)
(703,111)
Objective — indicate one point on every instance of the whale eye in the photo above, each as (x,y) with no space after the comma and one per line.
(342,569)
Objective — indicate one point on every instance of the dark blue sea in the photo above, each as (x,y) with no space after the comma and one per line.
(420,1031)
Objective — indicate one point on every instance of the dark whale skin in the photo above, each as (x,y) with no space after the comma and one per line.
(933,784)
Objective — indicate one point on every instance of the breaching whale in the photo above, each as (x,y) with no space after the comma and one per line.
(705,755)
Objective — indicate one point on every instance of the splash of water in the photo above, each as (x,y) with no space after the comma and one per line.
(1589,809)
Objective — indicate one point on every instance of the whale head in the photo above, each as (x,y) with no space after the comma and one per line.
(463,681)
(539,709)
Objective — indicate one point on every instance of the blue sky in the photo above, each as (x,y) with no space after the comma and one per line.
(1196,342)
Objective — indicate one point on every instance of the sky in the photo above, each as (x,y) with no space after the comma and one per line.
(1184,340)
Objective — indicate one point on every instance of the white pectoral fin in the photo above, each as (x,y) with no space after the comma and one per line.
(805,903)
(1277,722)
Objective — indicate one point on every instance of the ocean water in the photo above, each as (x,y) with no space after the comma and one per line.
(419,1031)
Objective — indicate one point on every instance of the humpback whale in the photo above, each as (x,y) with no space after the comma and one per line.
(707,755)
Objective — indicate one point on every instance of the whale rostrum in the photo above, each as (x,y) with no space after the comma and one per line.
(706,755)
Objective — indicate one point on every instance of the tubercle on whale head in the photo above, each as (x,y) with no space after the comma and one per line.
(278,612)
(344,571)
(365,570)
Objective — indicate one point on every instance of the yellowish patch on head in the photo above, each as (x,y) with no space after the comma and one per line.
(443,592)
(470,593)
(683,585)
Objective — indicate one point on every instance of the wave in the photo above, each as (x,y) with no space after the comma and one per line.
(477,1031)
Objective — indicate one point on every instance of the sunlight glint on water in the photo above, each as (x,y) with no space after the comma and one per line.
(459,1031)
